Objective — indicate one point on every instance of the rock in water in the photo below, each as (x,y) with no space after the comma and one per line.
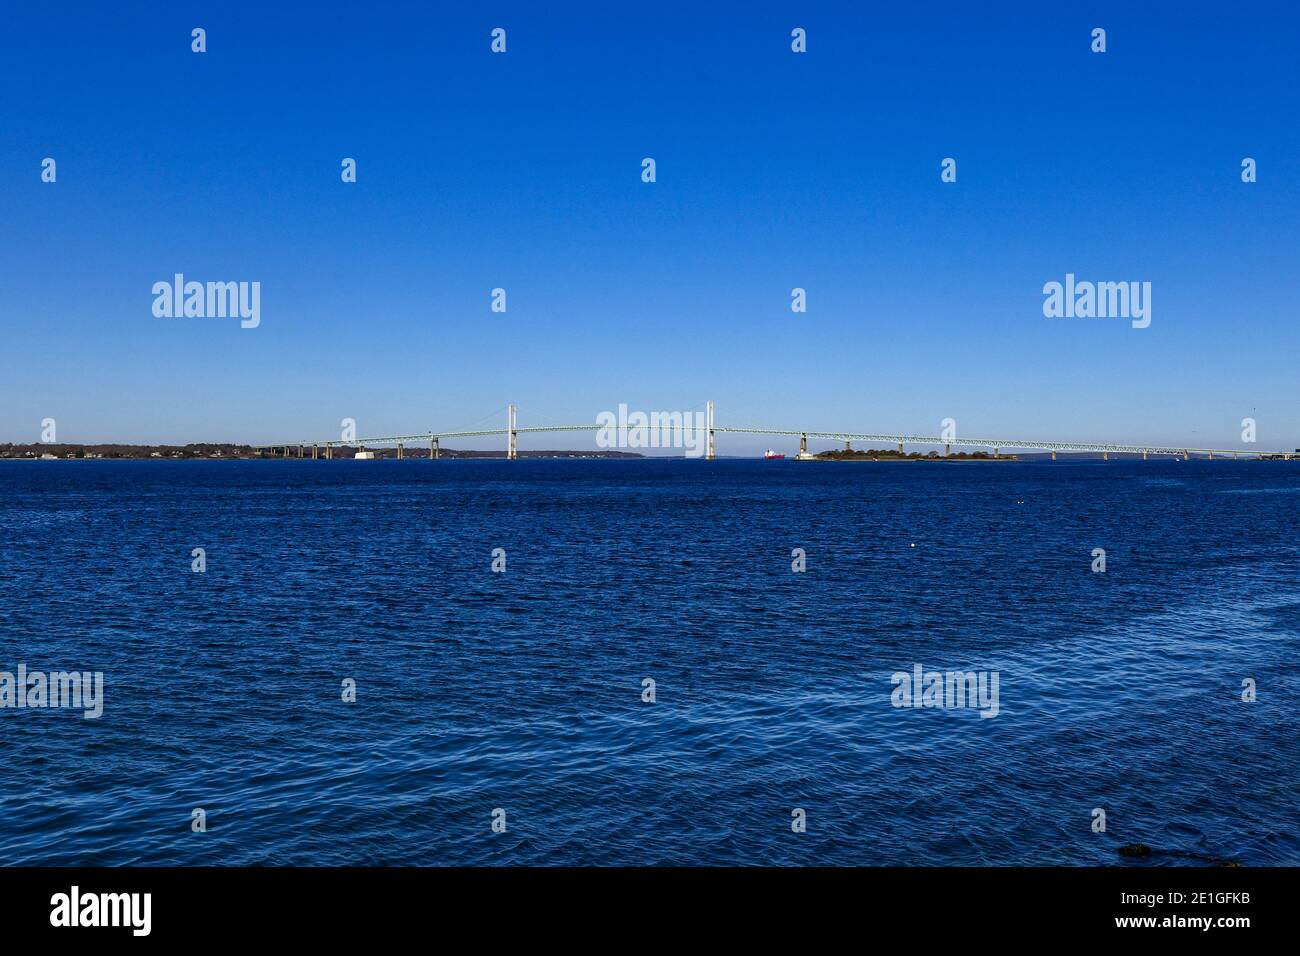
(1135,849)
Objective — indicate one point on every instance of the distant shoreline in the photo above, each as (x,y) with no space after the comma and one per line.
(939,458)
(214,451)
(915,456)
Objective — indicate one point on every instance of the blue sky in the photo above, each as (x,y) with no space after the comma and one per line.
(775,170)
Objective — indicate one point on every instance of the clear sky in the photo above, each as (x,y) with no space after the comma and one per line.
(775,170)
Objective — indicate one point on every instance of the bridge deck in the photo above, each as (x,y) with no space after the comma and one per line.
(961,442)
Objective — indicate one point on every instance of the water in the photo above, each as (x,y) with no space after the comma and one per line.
(522,690)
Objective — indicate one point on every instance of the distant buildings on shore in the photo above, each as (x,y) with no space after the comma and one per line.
(54,452)
(41,452)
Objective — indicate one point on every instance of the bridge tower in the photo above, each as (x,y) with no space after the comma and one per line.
(803,443)
(512,452)
(709,451)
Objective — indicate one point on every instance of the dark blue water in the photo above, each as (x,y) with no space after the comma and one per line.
(522,690)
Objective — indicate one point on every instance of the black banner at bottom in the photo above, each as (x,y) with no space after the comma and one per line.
(375,904)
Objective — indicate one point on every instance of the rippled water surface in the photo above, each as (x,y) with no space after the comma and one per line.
(522,690)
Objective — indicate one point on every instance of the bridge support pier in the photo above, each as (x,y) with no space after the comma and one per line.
(947,451)
(329,452)
(300,451)
(1053,454)
(710,450)
(512,450)
(1144,455)
(1211,456)
(803,444)
(433,448)
(900,449)
(848,446)
(401,449)
(1105,456)
(997,452)
(1185,455)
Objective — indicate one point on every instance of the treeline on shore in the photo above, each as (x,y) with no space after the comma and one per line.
(891,454)
(65,450)
(220,450)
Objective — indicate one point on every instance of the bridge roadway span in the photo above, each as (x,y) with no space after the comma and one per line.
(511,431)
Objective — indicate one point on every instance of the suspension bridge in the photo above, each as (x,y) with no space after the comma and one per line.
(512,431)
